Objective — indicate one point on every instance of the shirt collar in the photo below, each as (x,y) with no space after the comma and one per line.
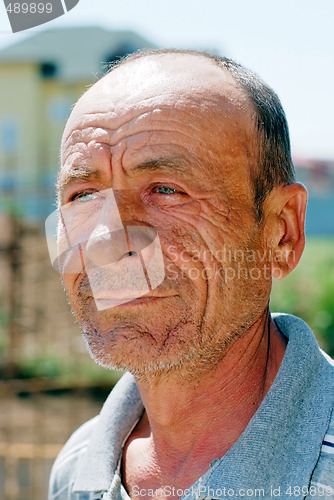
(279,447)
(119,415)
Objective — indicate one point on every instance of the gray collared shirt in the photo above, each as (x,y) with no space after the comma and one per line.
(286,451)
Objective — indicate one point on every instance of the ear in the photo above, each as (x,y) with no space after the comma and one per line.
(287,234)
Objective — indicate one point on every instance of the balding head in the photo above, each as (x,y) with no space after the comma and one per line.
(161,76)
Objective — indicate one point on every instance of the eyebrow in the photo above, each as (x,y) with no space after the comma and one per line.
(168,165)
(84,172)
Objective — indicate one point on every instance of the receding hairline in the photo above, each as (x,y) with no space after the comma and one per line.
(156,54)
(162,53)
(222,86)
(227,77)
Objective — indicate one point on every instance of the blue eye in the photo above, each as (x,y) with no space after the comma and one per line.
(165,190)
(84,197)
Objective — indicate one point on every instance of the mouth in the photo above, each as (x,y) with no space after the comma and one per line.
(106,303)
(122,297)
(119,294)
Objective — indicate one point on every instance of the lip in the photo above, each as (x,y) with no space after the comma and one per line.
(120,294)
(130,302)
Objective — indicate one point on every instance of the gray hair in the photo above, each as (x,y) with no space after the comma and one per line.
(274,151)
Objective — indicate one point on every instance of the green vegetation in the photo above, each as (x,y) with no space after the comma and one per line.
(65,372)
(309,291)
(4,320)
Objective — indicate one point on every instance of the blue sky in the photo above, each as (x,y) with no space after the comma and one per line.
(289,43)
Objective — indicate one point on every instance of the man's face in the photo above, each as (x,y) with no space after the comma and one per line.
(174,140)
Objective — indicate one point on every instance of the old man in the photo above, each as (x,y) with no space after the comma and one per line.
(178,205)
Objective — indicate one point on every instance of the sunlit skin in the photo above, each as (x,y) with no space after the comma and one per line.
(174,138)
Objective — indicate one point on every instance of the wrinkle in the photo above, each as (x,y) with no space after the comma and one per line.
(112,134)
(79,135)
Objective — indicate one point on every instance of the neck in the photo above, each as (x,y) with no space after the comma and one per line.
(198,420)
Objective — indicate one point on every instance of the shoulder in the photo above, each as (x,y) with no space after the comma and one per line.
(64,469)
(302,340)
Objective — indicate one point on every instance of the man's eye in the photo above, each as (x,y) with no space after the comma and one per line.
(165,190)
(83,197)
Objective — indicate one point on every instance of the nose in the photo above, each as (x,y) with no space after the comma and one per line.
(106,241)
(106,246)
(112,239)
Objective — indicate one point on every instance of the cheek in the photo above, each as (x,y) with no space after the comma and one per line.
(208,232)
(68,281)
(71,284)
(187,258)
(188,246)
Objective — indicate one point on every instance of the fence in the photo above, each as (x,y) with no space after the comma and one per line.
(49,385)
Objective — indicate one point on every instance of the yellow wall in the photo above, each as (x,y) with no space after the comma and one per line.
(39,106)
(19,91)
(56,101)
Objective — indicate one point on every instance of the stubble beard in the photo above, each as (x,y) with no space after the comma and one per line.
(185,349)
(172,348)
(161,345)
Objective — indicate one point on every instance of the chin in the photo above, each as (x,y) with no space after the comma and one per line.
(182,355)
(146,353)
(148,340)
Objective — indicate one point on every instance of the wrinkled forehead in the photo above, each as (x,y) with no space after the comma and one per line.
(150,82)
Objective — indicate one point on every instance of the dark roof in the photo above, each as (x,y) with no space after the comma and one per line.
(78,52)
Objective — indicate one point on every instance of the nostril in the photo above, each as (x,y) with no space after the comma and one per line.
(129,254)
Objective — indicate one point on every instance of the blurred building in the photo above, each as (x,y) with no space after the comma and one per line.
(318,177)
(40,79)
